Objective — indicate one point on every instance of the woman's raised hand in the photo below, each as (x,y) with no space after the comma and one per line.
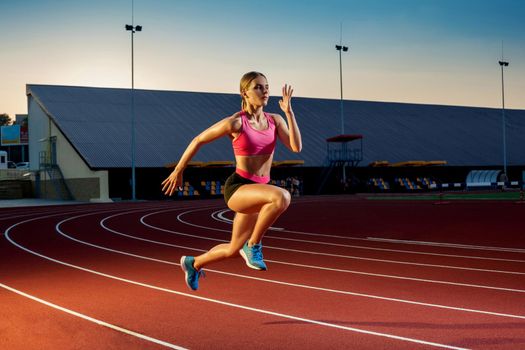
(172,183)
(286,102)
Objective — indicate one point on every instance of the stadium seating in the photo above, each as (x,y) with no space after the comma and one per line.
(407,184)
(187,191)
(426,183)
(379,184)
(213,188)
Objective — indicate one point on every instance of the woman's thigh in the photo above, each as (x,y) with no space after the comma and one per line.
(249,199)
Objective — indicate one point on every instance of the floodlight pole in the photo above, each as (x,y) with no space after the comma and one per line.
(133,28)
(503,119)
(342,48)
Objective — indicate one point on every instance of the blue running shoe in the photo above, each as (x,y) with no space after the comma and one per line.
(192,275)
(253,256)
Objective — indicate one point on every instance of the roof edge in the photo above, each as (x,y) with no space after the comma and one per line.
(297,97)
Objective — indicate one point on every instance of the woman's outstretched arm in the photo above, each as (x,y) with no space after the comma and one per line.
(222,128)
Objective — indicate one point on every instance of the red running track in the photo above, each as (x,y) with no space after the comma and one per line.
(344,273)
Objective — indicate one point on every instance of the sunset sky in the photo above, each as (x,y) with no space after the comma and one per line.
(416,51)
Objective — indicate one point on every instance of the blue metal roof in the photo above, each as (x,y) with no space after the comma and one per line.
(97,121)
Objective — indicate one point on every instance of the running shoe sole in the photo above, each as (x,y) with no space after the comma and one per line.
(183,267)
(243,254)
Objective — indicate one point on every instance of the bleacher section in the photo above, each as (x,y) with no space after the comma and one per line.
(378,184)
(402,183)
(406,183)
(187,191)
(209,188)
(426,183)
(213,188)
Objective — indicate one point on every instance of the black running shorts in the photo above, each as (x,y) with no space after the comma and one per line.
(233,183)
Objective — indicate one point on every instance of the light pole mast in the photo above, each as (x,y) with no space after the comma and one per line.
(133,28)
(341,48)
(503,63)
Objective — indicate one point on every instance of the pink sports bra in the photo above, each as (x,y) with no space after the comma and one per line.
(252,142)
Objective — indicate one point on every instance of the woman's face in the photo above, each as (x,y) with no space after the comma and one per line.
(258,92)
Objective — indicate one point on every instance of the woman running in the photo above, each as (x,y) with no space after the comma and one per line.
(247,192)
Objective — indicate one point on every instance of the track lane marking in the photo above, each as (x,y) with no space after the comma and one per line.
(222,218)
(448,245)
(308,266)
(220,302)
(92,319)
(313,252)
(219,216)
(287,283)
(94,213)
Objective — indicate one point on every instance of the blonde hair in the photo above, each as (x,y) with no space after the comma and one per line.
(245,84)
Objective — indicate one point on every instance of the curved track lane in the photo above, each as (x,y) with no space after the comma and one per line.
(118,265)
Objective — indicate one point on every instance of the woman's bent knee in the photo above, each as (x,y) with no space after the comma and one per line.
(282,199)
(250,199)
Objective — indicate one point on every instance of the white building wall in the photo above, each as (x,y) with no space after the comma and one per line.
(38,132)
(41,129)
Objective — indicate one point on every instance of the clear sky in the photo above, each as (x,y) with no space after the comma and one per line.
(417,51)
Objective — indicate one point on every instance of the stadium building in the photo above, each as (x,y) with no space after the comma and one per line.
(80,142)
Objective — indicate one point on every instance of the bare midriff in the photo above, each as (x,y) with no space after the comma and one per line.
(259,165)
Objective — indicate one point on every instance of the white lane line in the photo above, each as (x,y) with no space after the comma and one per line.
(397,262)
(238,306)
(220,215)
(59,230)
(72,210)
(401,277)
(305,241)
(288,283)
(463,246)
(448,245)
(102,223)
(315,252)
(94,320)
(93,210)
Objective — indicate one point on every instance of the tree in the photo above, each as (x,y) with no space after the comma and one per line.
(4,119)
